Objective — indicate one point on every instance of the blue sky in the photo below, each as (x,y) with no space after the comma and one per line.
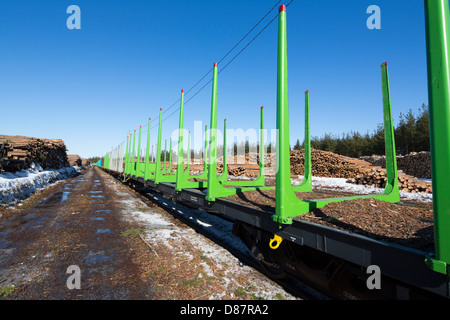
(89,87)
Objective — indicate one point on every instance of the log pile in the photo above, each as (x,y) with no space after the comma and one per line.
(236,170)
(417,164)
(324,164)
(328,164)
(74,160)
(376,177)
(19,152)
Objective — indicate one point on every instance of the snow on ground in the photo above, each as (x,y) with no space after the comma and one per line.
(160,231)
(17,186)
(341,184)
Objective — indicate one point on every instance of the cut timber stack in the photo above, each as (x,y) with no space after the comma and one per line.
(328,164)
(74,160)
(19,152)
(417,164)
(324,164)
(376,177)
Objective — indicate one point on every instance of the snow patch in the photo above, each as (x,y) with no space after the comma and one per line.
(341,184)
(17,186)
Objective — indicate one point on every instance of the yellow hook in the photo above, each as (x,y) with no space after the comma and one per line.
(275,242)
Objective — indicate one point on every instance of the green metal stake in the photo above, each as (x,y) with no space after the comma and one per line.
(158,150)
(138,160)
(287,203)
(261,147)
(283,192)
(149,167)
(438,63)
(179,172)
(126,157)
(182,178)
(129,157)
(159,174)
(133,163)
(212,168)
(260,180)
(306,185)
(215,189)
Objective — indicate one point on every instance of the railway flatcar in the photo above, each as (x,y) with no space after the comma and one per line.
(296,231)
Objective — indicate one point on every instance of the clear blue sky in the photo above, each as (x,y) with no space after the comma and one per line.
(130,58)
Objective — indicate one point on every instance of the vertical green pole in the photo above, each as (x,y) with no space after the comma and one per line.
(138,162)
(224,176)
(307,142)
(147,152)
(306,185)
(283,175)
(225,164)
(126,157)
(392,187)
(179,172)
(128,154)
(133,163)
(165,157)
(205,152)
(158,150)
(169,170)
(261,144)
(438,58)
(212,168)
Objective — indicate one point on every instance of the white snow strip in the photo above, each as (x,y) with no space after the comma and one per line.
(17,186)
(159,230)
(341,184)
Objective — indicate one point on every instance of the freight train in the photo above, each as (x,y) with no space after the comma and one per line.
(342,263)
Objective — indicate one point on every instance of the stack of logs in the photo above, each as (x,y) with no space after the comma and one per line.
(236,170)
(327,164)
(376,177)
(74,160)
(417,164)
(19,152)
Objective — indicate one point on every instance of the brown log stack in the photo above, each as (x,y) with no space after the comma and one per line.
(417,164)
(74,160)
(376,177)
(328,164)
(19,152)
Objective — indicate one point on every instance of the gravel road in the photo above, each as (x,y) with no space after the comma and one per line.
(123,245)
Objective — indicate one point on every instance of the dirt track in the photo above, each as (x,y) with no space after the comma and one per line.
(88,221)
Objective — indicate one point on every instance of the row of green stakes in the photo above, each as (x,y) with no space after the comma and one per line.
(288,205)
(183,179)
(216,185)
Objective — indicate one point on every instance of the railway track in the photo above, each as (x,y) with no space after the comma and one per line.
(190,218)
(336,261)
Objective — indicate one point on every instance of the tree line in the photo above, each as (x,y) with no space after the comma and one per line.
(411,134)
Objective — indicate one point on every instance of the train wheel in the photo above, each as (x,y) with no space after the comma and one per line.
(273,270)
